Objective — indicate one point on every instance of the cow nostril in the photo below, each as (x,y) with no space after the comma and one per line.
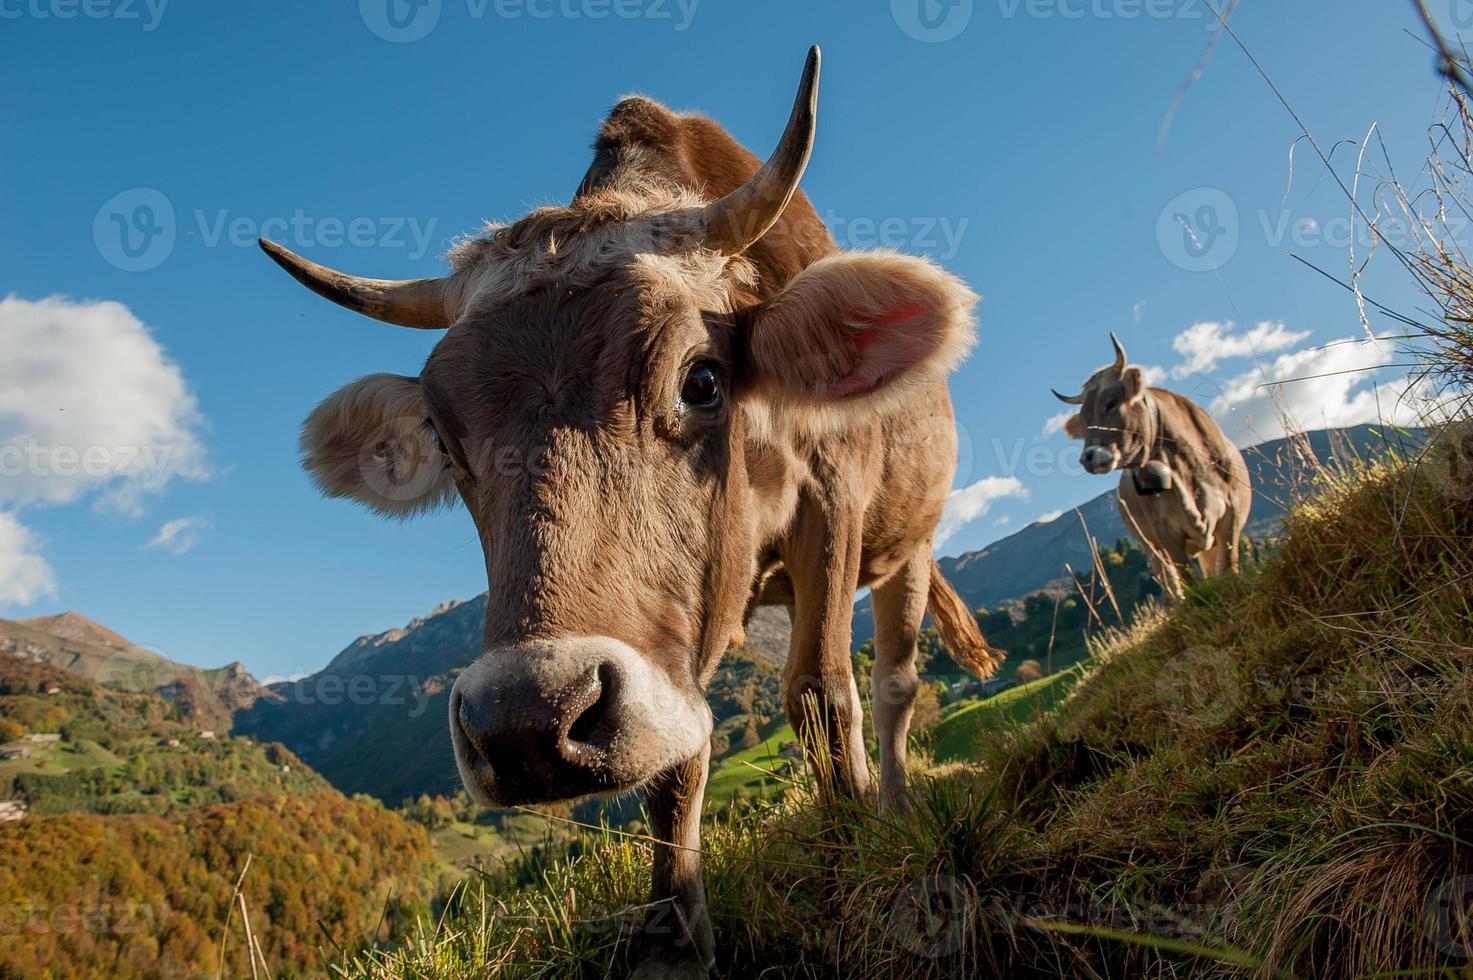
(461,711)
(586,733)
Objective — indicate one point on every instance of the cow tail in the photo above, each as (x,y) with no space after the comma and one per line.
(958,629)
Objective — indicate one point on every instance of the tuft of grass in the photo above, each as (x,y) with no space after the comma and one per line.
(1274,778)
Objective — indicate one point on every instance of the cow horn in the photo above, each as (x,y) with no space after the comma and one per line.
(733,223)
(1069,399)
(428,304)
(1119,352)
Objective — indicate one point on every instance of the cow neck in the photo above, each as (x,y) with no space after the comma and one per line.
(1154,445)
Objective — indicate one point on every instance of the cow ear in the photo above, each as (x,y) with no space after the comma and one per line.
(371,441)
(1074,426)
(1133,381)
(855,327)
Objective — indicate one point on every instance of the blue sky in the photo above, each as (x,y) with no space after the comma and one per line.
(1016,141)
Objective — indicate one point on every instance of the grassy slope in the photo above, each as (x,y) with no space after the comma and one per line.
(960,732)
(1275,778)
(751,772)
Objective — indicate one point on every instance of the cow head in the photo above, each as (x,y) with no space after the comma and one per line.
(613,405)
(1114,418)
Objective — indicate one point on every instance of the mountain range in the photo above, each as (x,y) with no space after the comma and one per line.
(73,643)
(373,719)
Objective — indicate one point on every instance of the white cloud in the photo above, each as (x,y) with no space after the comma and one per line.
(24,575)
(1055,423)
(1324,387)
(1203,345)
(1048,517)
(971,502)
(179,535)
(90,403)
(1137,310)
(1155,374)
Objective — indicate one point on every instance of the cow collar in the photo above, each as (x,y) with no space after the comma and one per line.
(1155,486)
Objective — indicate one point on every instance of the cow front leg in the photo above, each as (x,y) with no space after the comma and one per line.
(676,940)
(899,603)
(820,695)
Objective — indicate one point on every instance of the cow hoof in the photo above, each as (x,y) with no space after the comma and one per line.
(663,966)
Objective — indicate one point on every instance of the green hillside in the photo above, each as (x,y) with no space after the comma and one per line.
(1269,780)
(79,747)
(135,825)
(960,732)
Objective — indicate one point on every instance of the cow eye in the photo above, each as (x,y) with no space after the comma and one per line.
(1112,404)
(700,389)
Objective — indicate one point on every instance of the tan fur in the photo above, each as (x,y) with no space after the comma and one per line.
(805,340)
(606,508)
(958,628)
(369,442)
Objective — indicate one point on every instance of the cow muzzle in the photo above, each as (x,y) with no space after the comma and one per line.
(559,719)
(1099,459)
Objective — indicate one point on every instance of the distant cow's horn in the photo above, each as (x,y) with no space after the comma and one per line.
(1069,399)
(429,304)
(733,223)
(1119,353)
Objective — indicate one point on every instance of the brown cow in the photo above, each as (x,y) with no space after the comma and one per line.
(664,404)
(1185,491)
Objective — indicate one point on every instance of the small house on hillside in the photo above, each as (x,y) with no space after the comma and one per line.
(207,733)
(19,752)
(11,810)
(43,737)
